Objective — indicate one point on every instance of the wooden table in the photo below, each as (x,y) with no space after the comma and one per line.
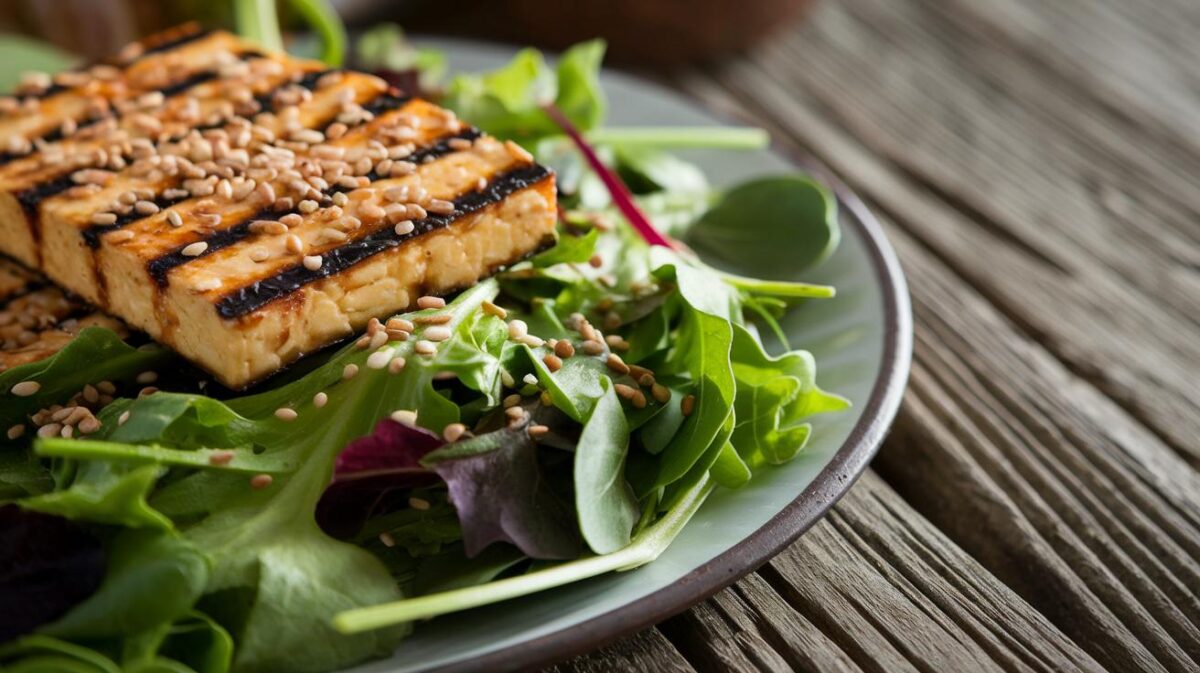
(1037,504)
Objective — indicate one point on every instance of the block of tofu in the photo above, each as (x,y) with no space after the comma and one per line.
(283,210)
(37,320)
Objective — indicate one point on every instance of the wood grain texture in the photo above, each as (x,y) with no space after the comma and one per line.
(1036,166)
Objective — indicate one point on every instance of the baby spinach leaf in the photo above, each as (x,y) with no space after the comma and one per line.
(199,642)
(784,224)
(106,492)
(501,495)
(153,577)
(47,566)
(604,501)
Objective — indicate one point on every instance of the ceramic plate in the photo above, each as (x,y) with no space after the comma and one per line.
(862,340)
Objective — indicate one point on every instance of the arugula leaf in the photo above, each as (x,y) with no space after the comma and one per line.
(774,397)
(785,224)
(507,102)
(604,502)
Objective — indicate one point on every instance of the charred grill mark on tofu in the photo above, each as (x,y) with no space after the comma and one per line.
(32,197)
(160,267)
(169,91)
(190,33)
(248,299)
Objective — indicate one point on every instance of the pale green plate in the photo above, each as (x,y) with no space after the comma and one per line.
(862,340)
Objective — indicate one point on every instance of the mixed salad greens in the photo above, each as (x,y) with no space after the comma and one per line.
(585,404)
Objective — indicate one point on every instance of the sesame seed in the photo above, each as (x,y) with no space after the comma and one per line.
(312,262)
(660,393)
(616,364)
(49,430)
(419,504)
(512,401)
(292,220)
(16,431)
(532,341)
(639,400)
(104,218)
(437,333)
(688,404)
(259,255)
(424,347)
(400,324)
(553,362)
(440,207)
(145,207)
(592,347)
(517,329)
(546,399)
(380,359)
(405,417)
(340,199)
(123,418)
(491,309)
(320,400)
(286,414)
(458,144)
(120,236)
(26,388)
(174,218)
(624,391)
(349,372)
(397,365)
(260,481)
(147,391)
(454,431)
(293,244)
(404,227)
(378,339)
(307,206)
(146,378)
(416,212)
(538,430)
(564,349)
(220,457)
(435,319)
(89,424)
(195,249)
(431,302)
(596,261)
(530,379)
(268,227)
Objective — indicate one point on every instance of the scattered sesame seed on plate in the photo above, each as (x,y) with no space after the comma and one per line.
(431,302)
(286,414)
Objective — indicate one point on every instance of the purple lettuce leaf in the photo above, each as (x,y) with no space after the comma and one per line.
(373,476)
(47,565)
(501,494)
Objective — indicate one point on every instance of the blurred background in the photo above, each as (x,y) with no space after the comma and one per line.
(654,33)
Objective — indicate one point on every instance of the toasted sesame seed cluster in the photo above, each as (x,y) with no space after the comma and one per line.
(247,208)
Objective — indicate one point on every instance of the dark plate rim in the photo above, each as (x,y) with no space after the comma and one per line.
(834,481)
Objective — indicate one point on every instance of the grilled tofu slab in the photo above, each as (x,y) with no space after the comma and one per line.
(260,207)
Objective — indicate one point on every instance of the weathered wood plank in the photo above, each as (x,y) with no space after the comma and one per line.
(1054,488)
(873,587)
(644,652)
(1116,300)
